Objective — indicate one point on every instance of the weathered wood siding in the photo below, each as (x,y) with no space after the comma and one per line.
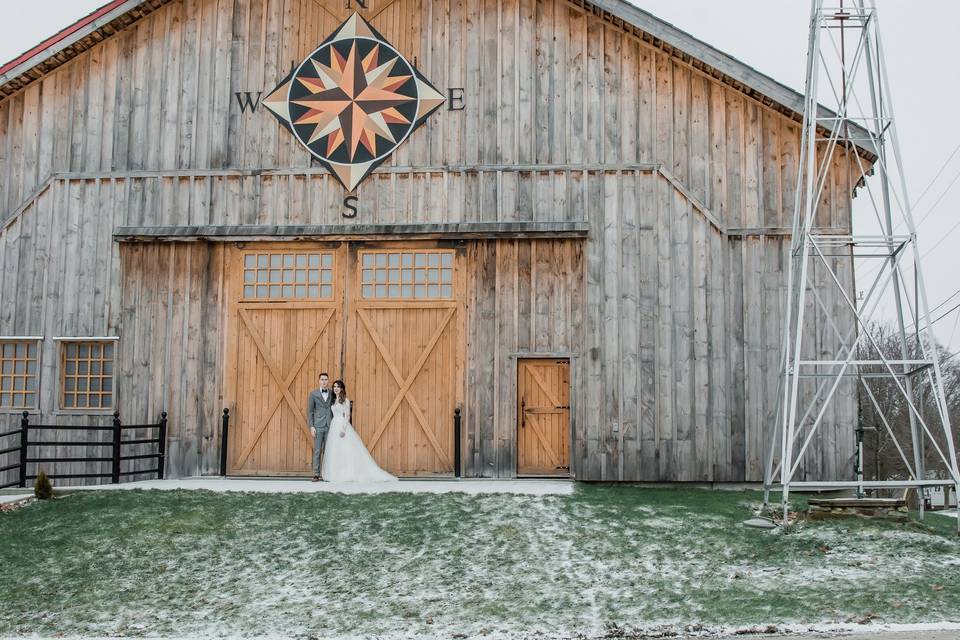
(525,297)
(172,346)
(673,330)
(164,303)
(670,310)
(545,84)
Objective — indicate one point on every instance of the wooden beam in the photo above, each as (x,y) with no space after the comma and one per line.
(472,230)
(780,231)
(699,206)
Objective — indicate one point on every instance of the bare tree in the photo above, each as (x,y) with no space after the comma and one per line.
(882,460)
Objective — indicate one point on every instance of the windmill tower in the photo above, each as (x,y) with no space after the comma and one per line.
(846,72)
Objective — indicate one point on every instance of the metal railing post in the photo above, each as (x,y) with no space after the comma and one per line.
(456,442)
(24,435)
(162,446)
(115,472)
(225,428)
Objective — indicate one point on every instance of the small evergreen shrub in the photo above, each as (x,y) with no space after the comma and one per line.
(42,487)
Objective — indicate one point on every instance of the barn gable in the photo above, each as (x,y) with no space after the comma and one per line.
(613,194)
(120,14)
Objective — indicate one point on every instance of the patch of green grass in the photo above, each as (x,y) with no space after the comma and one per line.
(174,563)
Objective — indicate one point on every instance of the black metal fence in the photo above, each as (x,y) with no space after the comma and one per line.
(224,434)
(456,442)
(5,437)
(27,446)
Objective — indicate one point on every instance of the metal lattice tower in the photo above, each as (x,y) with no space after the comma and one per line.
(846,70)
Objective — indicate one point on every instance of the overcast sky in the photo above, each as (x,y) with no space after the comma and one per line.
(771,35)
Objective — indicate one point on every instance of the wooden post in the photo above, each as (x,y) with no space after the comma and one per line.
(456,442)
(223,442)
(115,479)
(162,446)
(24,433)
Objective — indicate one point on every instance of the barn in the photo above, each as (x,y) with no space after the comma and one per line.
(563,224)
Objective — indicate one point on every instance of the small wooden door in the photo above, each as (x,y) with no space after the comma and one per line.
(405,355)
(285,321)
(543,417)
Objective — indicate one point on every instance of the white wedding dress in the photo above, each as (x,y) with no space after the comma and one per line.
(346,459)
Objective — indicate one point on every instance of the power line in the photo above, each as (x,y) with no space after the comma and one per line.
(945,301)
(926,253)
(945,313)
(932,207)
(953,332)
(939,173)
(932,311)
(930,210)
(942,238)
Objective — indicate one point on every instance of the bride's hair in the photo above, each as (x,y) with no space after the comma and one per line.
(343,391)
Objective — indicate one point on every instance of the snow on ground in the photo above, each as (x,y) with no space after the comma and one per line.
(14,497)
(270,485)
(922,631)
(460,566)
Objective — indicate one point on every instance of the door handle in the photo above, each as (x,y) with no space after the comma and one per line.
(523,413)
(562,406)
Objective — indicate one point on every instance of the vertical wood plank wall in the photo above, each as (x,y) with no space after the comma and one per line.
(673,331)
(672,323)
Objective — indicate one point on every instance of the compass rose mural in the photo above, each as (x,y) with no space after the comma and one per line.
(353,101)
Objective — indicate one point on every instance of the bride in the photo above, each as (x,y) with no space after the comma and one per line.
(346,458)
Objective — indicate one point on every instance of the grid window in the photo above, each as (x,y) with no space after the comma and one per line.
(409,274)
(87,375)
(18,374)
(291,276)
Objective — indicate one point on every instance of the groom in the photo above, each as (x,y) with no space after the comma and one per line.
(319,415)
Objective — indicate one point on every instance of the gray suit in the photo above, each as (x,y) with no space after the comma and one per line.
(319,415)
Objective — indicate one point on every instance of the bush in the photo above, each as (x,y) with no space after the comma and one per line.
(42,487)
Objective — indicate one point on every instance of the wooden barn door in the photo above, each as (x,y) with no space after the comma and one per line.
(285,328)
(405,355)
(543,417)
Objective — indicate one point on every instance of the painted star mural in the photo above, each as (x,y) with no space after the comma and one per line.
(353,101)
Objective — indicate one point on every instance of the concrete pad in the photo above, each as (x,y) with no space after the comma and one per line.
(922,634)
(950,514)
(759,523)
(299,485)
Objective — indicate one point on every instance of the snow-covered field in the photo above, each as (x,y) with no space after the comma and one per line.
(601,562)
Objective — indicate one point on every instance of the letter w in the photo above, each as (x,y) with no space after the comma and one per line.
(245,100)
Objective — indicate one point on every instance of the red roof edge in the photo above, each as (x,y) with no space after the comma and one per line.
(61,35)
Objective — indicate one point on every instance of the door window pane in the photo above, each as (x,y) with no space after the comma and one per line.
(430,271)
(267,276)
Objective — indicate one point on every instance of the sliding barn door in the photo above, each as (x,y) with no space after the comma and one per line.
(405,356)
(285,329)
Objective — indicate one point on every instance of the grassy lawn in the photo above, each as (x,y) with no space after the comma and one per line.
(175,563)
